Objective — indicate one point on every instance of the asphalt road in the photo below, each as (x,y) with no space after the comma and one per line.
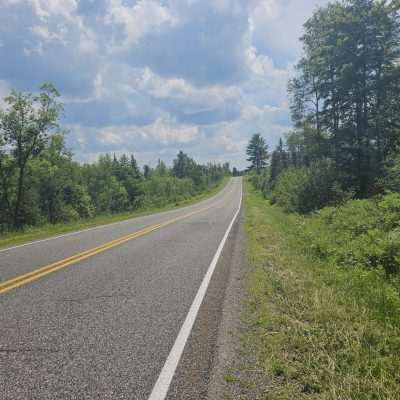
(103,326)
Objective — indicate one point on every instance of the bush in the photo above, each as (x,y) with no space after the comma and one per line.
(68,214)
(260,181)
(361,233)
(303,190)
(391,180)
(357,233)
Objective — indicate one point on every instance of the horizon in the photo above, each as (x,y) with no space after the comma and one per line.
(148,77)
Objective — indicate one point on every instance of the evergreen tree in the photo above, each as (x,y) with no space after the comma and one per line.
(344,99)
(134,166)
(257,151)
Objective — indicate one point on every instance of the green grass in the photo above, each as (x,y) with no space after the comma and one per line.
(41,232)
(229,378)
(320,331)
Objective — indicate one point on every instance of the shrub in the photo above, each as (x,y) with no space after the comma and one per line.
(391,180)
(260,181)
(306,189)
(361,233)
(67,214)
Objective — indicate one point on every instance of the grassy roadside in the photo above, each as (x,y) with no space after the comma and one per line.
(48,230)
(320,332)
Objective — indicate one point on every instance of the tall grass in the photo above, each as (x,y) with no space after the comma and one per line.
(323,330)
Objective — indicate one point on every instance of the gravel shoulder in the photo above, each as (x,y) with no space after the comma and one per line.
(219,359)
(228,361)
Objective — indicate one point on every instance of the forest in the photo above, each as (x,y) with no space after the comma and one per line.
(340,165)
(40,183)
(324,214)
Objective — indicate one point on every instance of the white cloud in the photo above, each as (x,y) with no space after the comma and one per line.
(262,65)
(233,136)
(45,9)
(156,75)
(42,33)
(278,24)
(137,20)
(165,131)
(127,82)
(202,99)
(58,22)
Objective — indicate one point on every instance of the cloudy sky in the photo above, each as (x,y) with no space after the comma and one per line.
(151,77)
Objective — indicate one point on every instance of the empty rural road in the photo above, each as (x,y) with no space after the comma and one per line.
(106,313)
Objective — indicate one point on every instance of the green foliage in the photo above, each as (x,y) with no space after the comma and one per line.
(161,191)
(343,106)
(361,233)
(45,229)
(321,331)
(259,180)
(41,184)
(257,151)
(391,179)
(306,189)
(25,126)
(344,97)
(183,165)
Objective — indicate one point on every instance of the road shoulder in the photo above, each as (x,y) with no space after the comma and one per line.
(228,361)
(209,346)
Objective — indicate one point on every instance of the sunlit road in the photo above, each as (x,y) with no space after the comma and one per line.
(95,314)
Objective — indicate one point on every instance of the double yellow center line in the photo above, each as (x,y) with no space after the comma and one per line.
(48,269)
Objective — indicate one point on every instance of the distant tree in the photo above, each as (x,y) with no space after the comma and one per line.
(275,168)
(227,168)
(161,169)
(40,183)
(115,165)
(235,172)
(183,165)
(135,167)
(280,160)
(146,171)
(257,151)
(25,126)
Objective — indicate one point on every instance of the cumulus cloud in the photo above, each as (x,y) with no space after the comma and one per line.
(54,22)
(135,20)
(154,76)
(45,9)
(165,132)
(277,25)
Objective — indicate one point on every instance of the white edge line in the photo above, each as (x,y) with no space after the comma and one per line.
(164,380)
(106,225)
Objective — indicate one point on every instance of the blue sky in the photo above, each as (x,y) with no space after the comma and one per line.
(151,77)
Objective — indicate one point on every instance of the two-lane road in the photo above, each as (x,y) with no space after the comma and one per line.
(105,313)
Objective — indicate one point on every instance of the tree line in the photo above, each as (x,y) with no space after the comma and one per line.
(41,183)
(345,108)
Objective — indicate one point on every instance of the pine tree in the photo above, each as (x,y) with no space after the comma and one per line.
(257,150)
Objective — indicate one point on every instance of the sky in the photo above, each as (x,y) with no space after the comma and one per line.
(152,77)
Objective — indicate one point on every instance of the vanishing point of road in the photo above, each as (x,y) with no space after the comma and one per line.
(123,311)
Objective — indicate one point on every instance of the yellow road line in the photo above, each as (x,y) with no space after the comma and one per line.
(48,269)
